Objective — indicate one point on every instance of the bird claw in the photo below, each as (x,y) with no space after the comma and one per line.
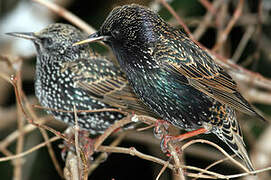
(167,138)
(164,143)
(157,131)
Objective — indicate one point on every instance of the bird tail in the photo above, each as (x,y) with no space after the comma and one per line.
(230,133)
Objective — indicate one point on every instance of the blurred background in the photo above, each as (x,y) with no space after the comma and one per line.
(247,44)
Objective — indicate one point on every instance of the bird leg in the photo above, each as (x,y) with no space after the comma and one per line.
(180,137)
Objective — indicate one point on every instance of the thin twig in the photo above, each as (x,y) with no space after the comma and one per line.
(80,111)
(76,139)
(45,137)
(202,176)
(133,152)
(208,6)
(230,25)
(256,54)
(241,46)
(218,148)
(51,153)
(214,174)
(214,164)
(221,22)
(18,164)
(29,151)
(14,135)
(252,172)
(202,27)
(104,155)
(67,15)
(145,128)
(177,17)
(6,152)
(111,129)
(162,170)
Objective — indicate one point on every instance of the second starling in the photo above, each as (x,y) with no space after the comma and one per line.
(175,77)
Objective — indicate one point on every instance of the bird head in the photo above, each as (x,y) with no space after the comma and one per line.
(128,25)
(56,39)
(131,31)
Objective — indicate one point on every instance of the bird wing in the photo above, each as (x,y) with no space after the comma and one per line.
(182,56)
(103,81)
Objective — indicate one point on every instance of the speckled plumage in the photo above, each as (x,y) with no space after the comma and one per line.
(173,76)
(67,76)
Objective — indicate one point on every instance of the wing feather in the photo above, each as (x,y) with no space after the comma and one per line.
(103,81)
(185,58)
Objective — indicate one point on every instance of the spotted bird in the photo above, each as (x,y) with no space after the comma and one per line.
(68,76)
(173,76)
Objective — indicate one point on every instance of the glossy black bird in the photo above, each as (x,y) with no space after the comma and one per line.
(173,76)
(68,76)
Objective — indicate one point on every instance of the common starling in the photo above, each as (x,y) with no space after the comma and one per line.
(173,76)
(68,76)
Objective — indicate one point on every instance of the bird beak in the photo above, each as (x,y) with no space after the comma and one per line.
(24,35)
(92,38)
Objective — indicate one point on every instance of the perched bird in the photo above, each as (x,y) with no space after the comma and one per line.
(68,76)
(173,76)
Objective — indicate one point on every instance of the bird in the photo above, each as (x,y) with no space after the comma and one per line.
(68,76)
(174,77)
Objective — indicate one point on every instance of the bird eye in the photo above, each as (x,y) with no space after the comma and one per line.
(46,41)
(115,33)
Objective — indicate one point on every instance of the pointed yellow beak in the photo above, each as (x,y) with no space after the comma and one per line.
(91,38)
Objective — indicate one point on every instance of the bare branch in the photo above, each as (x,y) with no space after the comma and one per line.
(230,25)
(218,148)
(29,151)
(67,15)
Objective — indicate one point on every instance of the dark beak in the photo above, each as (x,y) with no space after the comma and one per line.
(92,38)
(24,35)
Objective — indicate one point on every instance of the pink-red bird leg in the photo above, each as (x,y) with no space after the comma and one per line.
(181,137)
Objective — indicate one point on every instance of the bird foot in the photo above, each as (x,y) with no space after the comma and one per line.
(167,138)
(164,143)
(157,131)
